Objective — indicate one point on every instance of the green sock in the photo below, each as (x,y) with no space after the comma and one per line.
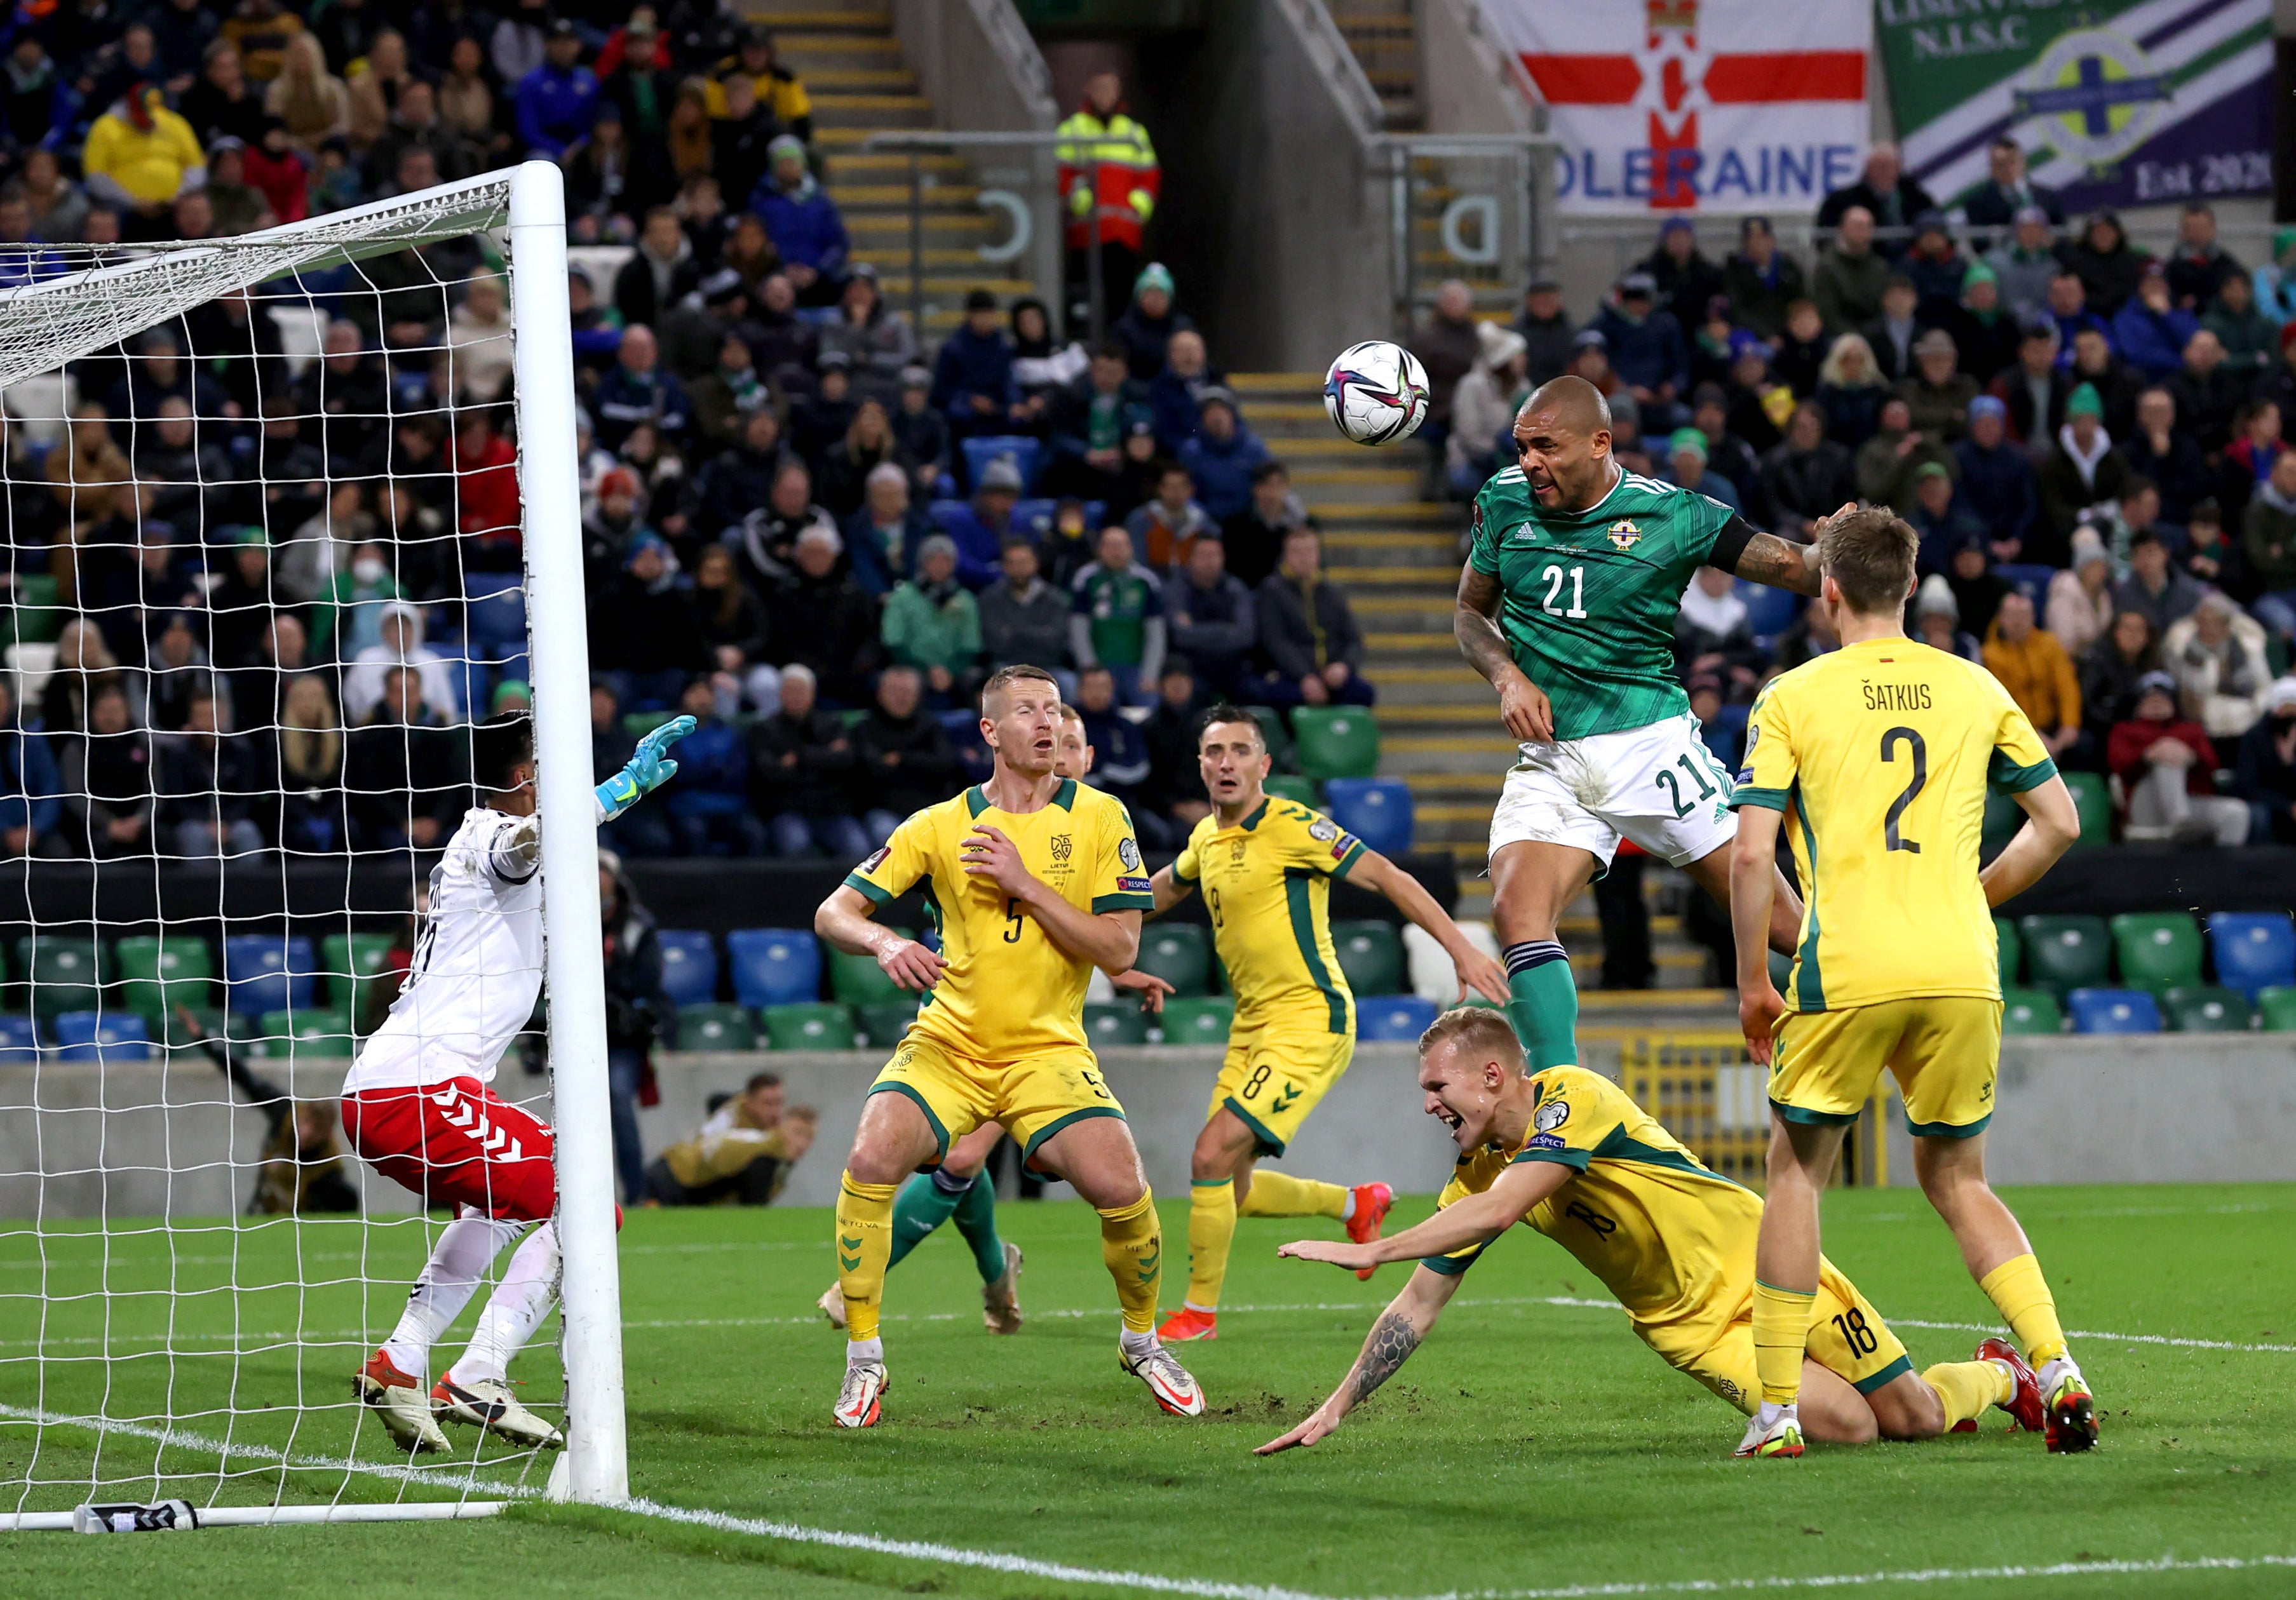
(976,1219)
(1543,1003)
(923,1206)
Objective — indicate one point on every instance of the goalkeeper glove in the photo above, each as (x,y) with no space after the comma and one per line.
(648,769)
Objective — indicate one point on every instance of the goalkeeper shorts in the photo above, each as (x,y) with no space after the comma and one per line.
(457,1143)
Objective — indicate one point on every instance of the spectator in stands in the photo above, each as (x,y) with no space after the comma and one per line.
(2155,588)
(210,786)
(778,91)
(740,1156)
(2150,329)
(176,668)
(55,207)
(2199,268)
(732,620)
(311,815)
(1937,392)
(1712,635)
(801,767)
(1120,764)
(1938,516)
(709,801)
(2250,337)
(2217,654)
(2080,470)
(1890,198)
(314,104)
(139,157)
(2006,192)
(1164,528)
(877,339)
(1087,421)
(646,629)
(766,539)
(1807,475)
(222,103)
(1984,330)
(2265,766)
(980,527)
(404,773)
(726,397)
(1686,464)
(2026,263)
(639,1015)
(2110,675)
(905,760)
(1118,621)
(1483,409)
(2206,391)
(2170,460)
(1847,286)
(2068,307)
(240,604)
(818,617)
(236,204)
(1221,458)
(921,430)
(107,781)
(1041,365)
(2036,388)
(1890,337)
(659,273)
(638,390)
(1177,396)
(2035,671)
(1997,479)
(1977,589)
(1547,330)
(2247,460)
(557,101)
(1934,266)
(1645,347)
(1213,619)
(2268,546)
(1023,620)
(1254,537)
(2080,601)
(1686,281)
(881,536)
(818,420)
(2211,558)
(1174,791)
(973,378)
(2109,267)
(1850,391)
(1886,464)
(932,623)
(1937,621)
(736,482)
(2168,766)
(804,225)
(1146,328)
(850,463)
(1309,646)
(1449,345)
(1760,280)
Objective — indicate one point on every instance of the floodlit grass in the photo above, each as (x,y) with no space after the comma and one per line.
(1531,1445)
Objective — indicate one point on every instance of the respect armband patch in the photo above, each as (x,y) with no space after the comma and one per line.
(1134,886)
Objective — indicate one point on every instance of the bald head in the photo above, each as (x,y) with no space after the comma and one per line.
(1566,404)
(1562,443)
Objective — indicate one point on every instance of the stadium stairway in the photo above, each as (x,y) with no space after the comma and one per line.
(847,55)
(1398,556)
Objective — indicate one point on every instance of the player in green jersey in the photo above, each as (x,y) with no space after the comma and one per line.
(1567,605)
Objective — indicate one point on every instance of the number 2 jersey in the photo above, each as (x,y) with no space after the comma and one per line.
(1008,990)
(1589,598)
(477,963)
(1880,754)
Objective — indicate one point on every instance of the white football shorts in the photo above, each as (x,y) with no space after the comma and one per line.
(1658,786)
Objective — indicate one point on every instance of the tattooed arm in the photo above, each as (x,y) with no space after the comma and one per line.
(1408,1320)
(1766,558)
(1472,1219)
(1523,704)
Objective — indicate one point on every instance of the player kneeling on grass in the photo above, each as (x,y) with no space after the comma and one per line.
(1567,1153)
(418,1106)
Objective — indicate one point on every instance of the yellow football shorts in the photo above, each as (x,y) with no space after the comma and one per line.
(1945,1054)
(1275,1074)
(1034,1097)
(1847,1337)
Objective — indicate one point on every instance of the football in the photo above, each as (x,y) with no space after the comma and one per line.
(1376,393)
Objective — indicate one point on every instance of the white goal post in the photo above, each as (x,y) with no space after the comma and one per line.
(155,1353)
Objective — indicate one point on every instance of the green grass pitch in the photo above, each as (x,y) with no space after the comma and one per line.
(1531,1447)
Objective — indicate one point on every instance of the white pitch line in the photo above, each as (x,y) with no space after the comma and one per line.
(1839,1581)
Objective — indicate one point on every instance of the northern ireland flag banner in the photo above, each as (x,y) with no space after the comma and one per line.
(2117,102)
(1697,105)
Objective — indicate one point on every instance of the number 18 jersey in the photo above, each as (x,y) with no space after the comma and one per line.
(1590,598)
(1880,756)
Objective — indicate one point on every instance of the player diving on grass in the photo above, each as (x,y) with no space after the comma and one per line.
(1567,604)
(1566,1152)
(1265,868)
(953,1190)
(1036,879)
(1875,760)
(418,1106)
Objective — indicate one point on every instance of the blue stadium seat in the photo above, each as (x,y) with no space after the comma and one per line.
(1376,810)
(689,967)
(941,511)
(497,615)
(102,1036)
(1026,454)
(773,966)
(2114,1011)
(1034,518)
(268,972)
(19,1046)
(1399,1018)
(2255,950)
(1769,612)
(2027,579)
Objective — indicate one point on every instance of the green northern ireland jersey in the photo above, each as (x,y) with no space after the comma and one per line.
(1589,598)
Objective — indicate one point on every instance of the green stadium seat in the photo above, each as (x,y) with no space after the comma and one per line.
(157,975)
(214,1020)
(857,980)
(349,963)
(2209,1009)
(63,975)
(1198,1021)
(322,1033)
(1121,1023)
(39,618)
(2159,951)
(1278,735)
(2002,818)
(716,1028)
(2277,1008)
(1178,952)
(882,1022)
(1283,786)
(1371,955)
(814,1025)
(2093,801)
(2031,1011)
(2012,950)
(1336,741)
(2065,953)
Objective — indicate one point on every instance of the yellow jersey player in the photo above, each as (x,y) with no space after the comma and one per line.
(1265,868)
(1035,880)
(1567,1153)
(1875,759)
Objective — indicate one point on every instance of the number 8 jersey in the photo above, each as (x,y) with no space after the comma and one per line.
(1880,754)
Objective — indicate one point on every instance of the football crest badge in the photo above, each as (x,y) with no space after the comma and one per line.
(1623,534)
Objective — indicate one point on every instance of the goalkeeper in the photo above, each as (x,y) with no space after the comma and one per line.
(418,1106)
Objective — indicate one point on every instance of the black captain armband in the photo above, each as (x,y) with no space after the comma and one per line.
(1731,543)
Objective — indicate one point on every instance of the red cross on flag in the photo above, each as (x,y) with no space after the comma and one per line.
(1698,105)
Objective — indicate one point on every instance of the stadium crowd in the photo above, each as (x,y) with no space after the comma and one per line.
(796,526)
(2088,437)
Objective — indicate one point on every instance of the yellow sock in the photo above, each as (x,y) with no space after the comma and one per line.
(2021,1295)
(1132,1243)
(1275,1195)
(1968,1387)
(865,1245)
(1211,1228)
(1781,1336)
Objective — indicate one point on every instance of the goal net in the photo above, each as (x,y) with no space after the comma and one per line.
(288,514)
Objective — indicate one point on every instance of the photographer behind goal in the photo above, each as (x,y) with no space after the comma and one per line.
(743,1154)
